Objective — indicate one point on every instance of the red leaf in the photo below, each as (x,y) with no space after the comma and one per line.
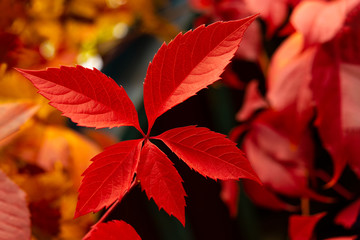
(336,86)
(348,38)
(209,153)
(291,61)
(14,214)
(113,230)
(189,63)
(263,197)
(109,177)
(302,227)
(273,12)
(320,21)
(230,78)
(160,180)
(251,44)
(347,217)
(87,96)
(288,160)
(253,101)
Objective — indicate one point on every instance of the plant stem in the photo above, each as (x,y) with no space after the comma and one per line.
(305,206)
(108,211)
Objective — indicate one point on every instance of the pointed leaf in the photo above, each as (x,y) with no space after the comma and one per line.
(348,216)
(109,177)
(14,213)
(211,154)
(160,180)
(189,63)
(253,101)
(113,230)
(302,227)
(87,96)
(264,197)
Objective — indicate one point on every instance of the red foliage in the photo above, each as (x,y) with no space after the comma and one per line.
(347,217)
(179,70)
(302,227)
(161,181)
(310,107)
(87,96)
(190,63)
(109,177)
(112,231)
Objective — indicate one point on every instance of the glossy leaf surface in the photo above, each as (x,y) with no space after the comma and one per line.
(109,177)
(160,180)
(190,62)
(302,227)
(87,96)
(209,153)
(113,230)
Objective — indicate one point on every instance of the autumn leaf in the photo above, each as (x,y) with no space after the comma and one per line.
(288,82)
(273,12)
(264,197)
(160,180)
(250,47)
(190,62)
(113,230)
(348,216)
(209,153)
(14,213)
(302,227)
(91,99)
(289,160)
(335,85)
(109,177)
(289,75)
(86,96)
(253,101)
